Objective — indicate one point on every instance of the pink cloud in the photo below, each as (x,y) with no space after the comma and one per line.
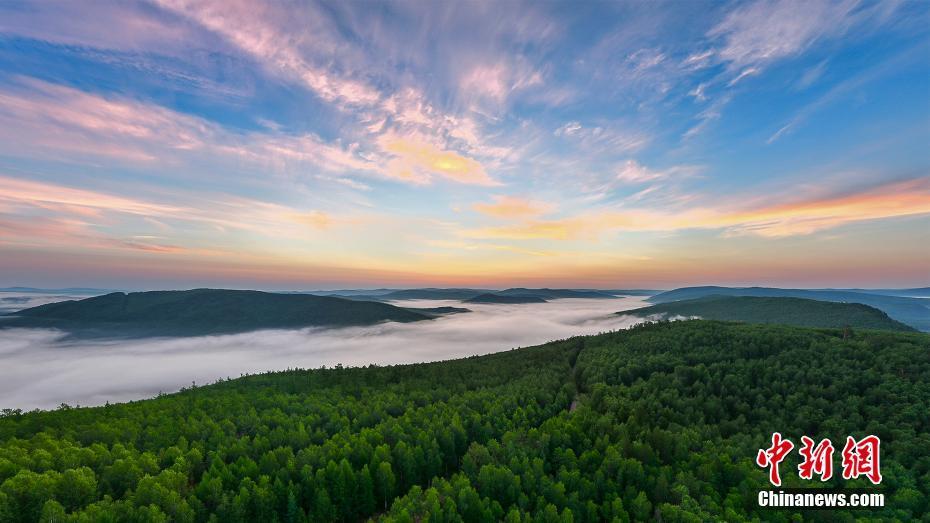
(260,31)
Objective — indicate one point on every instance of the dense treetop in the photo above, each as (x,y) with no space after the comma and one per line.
(661,421)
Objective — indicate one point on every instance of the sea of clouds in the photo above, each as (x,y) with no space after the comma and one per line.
(39,368)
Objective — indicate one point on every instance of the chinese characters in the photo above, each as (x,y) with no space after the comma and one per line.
(859,458)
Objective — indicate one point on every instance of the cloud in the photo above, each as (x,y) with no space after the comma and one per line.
(129,25)
(890,200)
(72,217)
(497,81)
(55,119)
(316,219)
(601,139)
(791,218)
(40,115)
(657,182)
(408,113)
(562,229)
(698,60)
(417,160)
(568,129)
(841,89)
(509,207)
(749,71)
(52,196)
(304,45)
(706,117)
(811,75)
(38,369)
(764,31)
(15,301)
(276,40)
(633,172)
(698,92)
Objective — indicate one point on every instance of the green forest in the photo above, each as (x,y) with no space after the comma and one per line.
(658,422)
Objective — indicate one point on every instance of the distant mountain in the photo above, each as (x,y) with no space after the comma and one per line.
(69,290)
(344,293)
(789,311)
(433,294)
(441,311)
(497,298)
(555,294)
(467,294)
(920,292)
(632,292)
(202,311)
(911,311)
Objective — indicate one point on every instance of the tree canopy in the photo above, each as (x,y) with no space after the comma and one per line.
(662,421)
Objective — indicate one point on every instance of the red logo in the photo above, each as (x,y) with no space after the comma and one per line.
(860,458)
(816,459)
(774,455)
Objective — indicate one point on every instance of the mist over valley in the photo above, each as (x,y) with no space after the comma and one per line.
(42,368)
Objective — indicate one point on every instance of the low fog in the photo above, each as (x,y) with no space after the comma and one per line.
(40,369)
(14,301)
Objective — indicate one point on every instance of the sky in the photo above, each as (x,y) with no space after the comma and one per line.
(306,145)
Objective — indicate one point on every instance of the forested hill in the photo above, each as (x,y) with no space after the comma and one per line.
(203,311)
(912,311)
(504,299)
(668,422)
(789,311)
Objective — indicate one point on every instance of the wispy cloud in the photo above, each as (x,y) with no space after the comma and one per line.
(258,31)
(632,171)
(708,115)
(845,87)
(811,75)
(509,207)
(763,31)
(906,198)
(496,82)
(63,121)
(36,213)
(613,140)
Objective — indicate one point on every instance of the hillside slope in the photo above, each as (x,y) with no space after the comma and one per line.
(912,311)
(203,311)
(789,311)
(667,422)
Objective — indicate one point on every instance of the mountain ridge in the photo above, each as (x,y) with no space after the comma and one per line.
(911,311)
(203,311)
(800,312)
